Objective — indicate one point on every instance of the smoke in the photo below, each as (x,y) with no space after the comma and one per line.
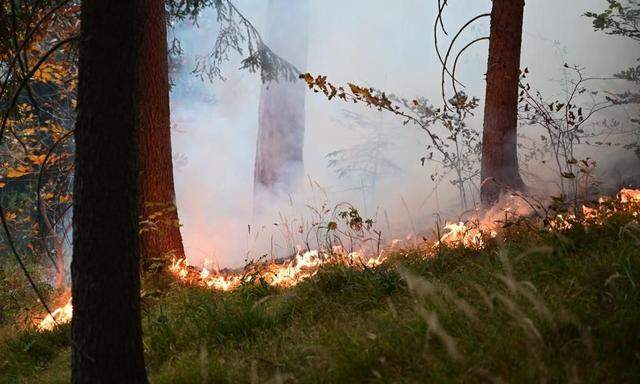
(387,45)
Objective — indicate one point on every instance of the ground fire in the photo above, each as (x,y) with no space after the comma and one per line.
(470,234)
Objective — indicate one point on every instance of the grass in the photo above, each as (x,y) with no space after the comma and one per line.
(538,307)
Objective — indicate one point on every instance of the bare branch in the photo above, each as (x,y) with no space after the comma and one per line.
(446,57)
(455,63)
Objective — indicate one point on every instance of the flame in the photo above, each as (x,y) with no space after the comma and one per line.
(288,274)
(60,315)
(303,265)
(459,234)
(589,213)
(629,195)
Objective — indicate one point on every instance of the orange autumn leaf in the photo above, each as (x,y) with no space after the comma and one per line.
(17,172)
(39,160)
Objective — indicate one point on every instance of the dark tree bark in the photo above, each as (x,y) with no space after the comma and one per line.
(106,325)
(279,150)
(157,193)
(5,33)
(499,141)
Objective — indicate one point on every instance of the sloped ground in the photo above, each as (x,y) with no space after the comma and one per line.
(538,307)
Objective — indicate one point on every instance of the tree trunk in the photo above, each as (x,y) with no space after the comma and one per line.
(279,156)
(160,235)
(499,138)
(106,325)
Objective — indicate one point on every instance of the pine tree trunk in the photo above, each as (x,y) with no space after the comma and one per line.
(157,193)
(106,325)
(499,139)
(279,150)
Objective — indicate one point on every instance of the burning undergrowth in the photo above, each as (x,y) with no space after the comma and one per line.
(475,233)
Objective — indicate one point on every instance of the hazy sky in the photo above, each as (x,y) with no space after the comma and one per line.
(379,43)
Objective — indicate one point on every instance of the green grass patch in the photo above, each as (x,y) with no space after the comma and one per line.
(538,307)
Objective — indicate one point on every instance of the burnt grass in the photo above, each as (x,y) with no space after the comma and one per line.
(533,307)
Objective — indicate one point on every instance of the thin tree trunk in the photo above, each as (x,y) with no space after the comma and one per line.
(279,150)
(58,247)
(106,325)
(499,139)
(157,193)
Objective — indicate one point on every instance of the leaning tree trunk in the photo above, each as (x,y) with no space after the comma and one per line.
(106,326)
(499,138)
(279,161)
(160,235)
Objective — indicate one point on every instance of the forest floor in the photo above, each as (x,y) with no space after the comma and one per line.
(536,306)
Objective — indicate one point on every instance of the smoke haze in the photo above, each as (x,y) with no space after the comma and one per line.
(377,43)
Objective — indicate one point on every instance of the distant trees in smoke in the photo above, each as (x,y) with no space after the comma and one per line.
(622,18)
(509,100)
(459,144)
(367,162)
(452,144)
(281,116)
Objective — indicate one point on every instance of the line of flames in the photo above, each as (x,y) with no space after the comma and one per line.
(471,234)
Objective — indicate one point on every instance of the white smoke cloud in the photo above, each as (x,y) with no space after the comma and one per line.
(378,43)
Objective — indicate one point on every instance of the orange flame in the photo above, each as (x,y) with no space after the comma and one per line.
(629,195)
(461,235)
(470,235)
(302,266)
(60,315)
